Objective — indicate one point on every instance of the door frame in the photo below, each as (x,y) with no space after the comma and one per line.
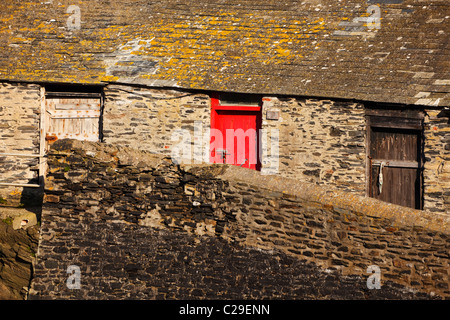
(216,106)
(71,92)
(395,118)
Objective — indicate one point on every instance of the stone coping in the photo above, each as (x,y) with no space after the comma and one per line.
(325,197)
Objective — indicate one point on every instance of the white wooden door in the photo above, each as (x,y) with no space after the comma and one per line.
(72,118)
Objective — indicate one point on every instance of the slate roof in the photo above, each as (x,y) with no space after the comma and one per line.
(322,48)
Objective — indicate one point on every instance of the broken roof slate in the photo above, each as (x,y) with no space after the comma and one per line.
(322,48)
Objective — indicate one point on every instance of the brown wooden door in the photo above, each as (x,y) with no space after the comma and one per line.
(395,166)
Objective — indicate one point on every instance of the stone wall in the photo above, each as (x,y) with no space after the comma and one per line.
(148,119)
(437,161)
(139,226)
(321,141)
(19,134)
(17,252)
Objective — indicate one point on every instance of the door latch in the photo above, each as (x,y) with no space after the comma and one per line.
(223,153)
(243,162)
(380,177)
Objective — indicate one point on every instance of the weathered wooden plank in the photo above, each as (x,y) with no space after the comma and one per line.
(395,123)
(396,163)
(395,113)
(42,143)
(73,104)
(77,104)
(399,186)
(50,94)
(73,117)
(61,114)
(20,155)
(20,185)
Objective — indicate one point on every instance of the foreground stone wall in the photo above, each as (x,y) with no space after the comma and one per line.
(125,261)
(17,252)
(138,226)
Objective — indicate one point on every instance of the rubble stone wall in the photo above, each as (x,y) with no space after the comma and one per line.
(319,141)
(139,226)
(436,173)
(19,134)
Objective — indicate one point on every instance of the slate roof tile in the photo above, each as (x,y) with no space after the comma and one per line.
(323,48)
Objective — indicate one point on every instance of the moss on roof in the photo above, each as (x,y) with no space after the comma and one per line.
(323,48)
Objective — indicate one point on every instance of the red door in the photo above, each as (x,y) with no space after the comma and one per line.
(235,135)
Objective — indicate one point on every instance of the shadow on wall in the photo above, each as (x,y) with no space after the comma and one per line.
(23,209)
(32,199)
(28,197)
(138,218)
(445,114)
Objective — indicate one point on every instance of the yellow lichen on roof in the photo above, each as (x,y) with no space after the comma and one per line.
(179,46)
(256,46)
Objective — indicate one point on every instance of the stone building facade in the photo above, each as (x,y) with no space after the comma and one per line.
(322,80)
(317,140)
(334,103)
